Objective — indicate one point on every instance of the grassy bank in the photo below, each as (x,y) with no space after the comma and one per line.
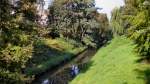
(116,63)
(51,52)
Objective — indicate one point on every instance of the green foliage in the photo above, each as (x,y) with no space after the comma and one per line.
(15,43)
(135,21)
(117,29)
(116,22)
(88,41)
(23,49)
(8,77)
(13,59)
(74,19)
(139,32)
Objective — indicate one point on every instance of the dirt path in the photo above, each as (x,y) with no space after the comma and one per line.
(61,74)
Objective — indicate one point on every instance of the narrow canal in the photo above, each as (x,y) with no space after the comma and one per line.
(61,74)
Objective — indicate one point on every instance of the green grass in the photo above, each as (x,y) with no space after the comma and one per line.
(115,64)
(51,52)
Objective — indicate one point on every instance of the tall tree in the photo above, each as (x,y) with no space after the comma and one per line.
(74,19)
(135,18)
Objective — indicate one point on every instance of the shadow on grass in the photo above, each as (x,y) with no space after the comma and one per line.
(144,74)
(86,63)
(44,58)
(84,67)
(143,59)
(147,75)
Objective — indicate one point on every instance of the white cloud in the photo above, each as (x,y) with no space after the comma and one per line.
(108,5)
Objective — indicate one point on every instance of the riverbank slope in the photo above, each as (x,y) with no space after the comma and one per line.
(115,63)
(48,53)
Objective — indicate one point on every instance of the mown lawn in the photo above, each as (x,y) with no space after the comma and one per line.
(51,52)
(116,63)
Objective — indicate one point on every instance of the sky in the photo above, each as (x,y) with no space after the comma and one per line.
(47,3)
(108,5)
